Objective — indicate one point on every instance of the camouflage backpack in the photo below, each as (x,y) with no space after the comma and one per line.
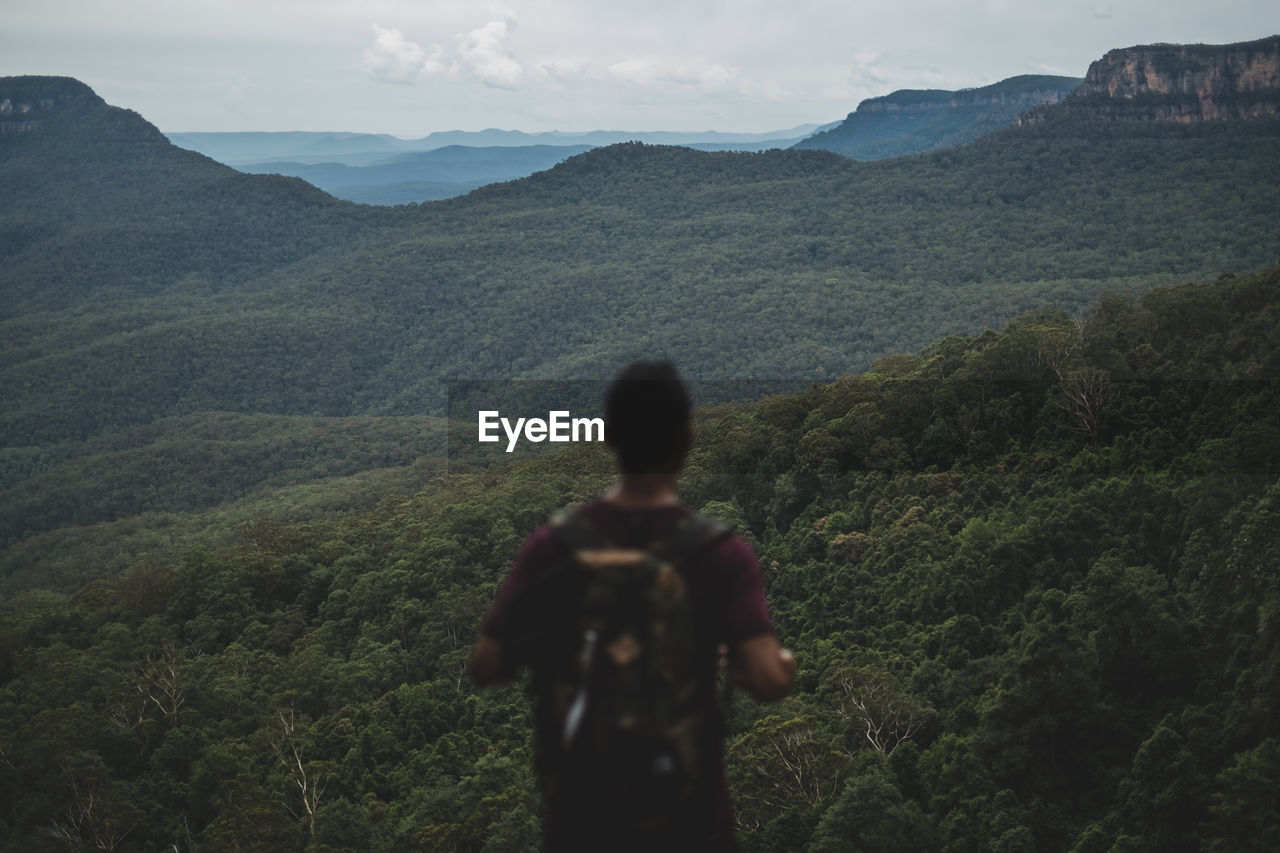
(620,715)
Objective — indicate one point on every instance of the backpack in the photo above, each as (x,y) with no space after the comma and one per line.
(621,719)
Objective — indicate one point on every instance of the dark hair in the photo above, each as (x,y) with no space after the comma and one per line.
(646,411)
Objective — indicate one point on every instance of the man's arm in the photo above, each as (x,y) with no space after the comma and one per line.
(764,668)
(486,662)
(761,666)
(490,664)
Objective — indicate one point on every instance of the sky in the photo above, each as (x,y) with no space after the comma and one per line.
(411,68)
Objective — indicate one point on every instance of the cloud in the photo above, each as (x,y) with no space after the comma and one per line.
(637,71)
(394,59)
(484,53)
(564,70)
(238,93)
(697,74)
(481,54)
(866,70)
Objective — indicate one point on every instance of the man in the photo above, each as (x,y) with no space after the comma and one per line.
(648,427)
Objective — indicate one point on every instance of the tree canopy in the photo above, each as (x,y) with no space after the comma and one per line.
(1017,627)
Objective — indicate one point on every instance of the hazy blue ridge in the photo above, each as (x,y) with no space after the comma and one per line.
(423,175)
(358,149)
(382,169)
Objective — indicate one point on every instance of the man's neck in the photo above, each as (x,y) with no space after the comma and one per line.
(644,491)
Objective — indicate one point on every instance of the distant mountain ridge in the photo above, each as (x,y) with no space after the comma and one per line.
(910,121)
(299,146)
(1182,83)
(382,169)
(360,149)
(418,176)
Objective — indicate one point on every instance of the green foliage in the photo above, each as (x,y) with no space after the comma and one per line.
(1012,634)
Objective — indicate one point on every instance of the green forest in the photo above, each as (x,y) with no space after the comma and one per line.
(194,288)
(1032,579)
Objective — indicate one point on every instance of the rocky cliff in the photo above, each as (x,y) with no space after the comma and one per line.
(53,109)
(1182,83)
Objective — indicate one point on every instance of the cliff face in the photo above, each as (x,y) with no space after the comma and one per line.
(50,109)
(1184,83)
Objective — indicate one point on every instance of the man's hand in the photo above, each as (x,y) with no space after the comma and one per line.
(486,662)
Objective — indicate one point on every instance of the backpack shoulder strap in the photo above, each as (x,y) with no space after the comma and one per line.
(526,632)
(575,531)
(692,534)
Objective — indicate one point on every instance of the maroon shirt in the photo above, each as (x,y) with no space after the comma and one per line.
(723,583)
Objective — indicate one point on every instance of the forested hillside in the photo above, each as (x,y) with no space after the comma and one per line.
(142,281)
(911,121)
(1032,578)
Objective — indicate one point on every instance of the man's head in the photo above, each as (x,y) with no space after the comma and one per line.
(647,418)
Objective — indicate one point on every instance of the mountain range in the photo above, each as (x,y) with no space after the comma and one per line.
(1186,81)
(366,168)
(148,285)
(111,230)
(363,167)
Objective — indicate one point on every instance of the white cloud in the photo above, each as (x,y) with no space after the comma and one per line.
(481,54)
(708,77)
(239,91)
(747,65)
(694,74)
(866,72)
(563,70)
(637,71)
(484,53)
(395,59)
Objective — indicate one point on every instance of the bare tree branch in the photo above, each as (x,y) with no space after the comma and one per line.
(310,784)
